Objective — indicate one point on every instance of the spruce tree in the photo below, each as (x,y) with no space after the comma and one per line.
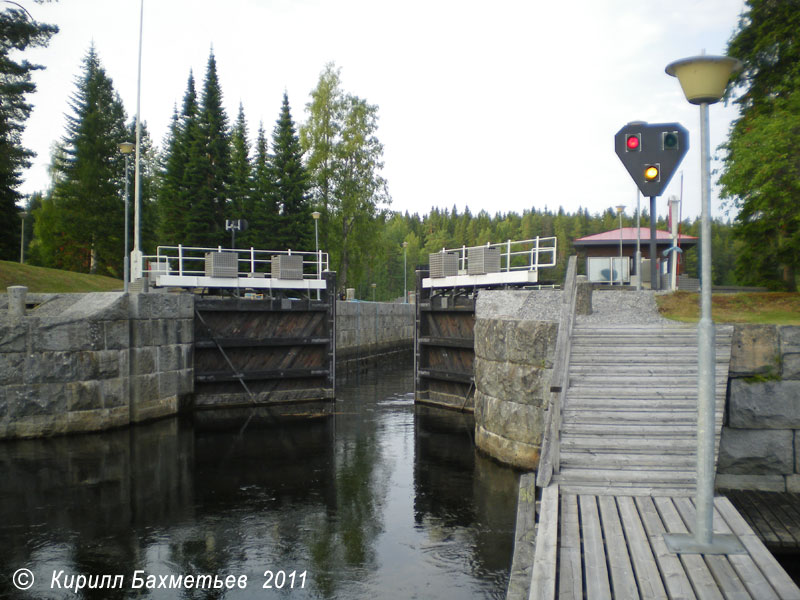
(290,185)
(264,218)
(90,174)
(208,168)
(173,198)
(241,187)
(17,33)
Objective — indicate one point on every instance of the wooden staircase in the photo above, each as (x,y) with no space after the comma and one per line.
(630,414)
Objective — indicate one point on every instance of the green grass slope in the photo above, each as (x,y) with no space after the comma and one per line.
(41,280)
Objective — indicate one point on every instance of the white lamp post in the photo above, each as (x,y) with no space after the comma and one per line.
(405,273)
(703,79)
(316,215)
(126,148)
(22,216)
(136,253)
(620,208)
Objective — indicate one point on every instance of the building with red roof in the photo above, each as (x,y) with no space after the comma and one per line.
(606,245)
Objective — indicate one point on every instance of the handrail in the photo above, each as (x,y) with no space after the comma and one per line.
(190,261)
(530,250)
(550,456)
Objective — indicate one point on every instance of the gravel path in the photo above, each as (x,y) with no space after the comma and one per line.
(623,308)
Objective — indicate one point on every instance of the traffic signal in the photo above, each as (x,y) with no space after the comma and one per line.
(651,153)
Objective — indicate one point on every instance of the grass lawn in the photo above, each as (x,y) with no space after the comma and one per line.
(41,280)
(767,308)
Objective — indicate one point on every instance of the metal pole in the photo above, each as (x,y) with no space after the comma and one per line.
(638,242)
(136,255)
(620,248)
(125,258)
(706,354)
(22,238)
(653,251)
(405,273)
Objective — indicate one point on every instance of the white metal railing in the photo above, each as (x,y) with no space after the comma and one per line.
(190,261)
(520,255)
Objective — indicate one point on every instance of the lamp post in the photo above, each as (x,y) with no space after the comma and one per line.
(126,148)
(136,253)
(703,80)
(316,215)
(620,208)
(638,242)
(405,273)
(373,286)
(22,216)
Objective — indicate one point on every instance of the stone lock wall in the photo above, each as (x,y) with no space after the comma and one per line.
(515,340)
(760,446)
(86,362)
(372,328)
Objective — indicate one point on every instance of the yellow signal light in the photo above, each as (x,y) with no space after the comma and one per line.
(651,173)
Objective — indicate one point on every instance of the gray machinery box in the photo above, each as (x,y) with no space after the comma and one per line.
(482,260)
(222,264)
(443,264)
(287,266)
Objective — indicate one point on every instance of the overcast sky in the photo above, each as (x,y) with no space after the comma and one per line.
(502,105)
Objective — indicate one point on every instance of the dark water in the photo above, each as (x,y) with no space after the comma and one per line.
(383,500)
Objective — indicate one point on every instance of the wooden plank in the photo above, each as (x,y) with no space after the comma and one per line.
(731,586)
(769,511)
(570,569)
(749,573)
(673,574)
(443,375)
(621,475)
(751,514)
(599,443)
(220,376)
(647,576)
(594,555)
(449,342)
(787,507)
(623,582)
(260,342)
(589,459)
(697,570)
(628,490)
(543,578)
(777,577)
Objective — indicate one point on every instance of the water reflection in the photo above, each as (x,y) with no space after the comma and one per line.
(378,501)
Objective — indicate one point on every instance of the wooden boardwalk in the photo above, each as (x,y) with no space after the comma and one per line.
(623,462)
(612,546)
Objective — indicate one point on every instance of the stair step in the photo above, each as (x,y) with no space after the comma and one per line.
(629,404)
(607,460)
(652,381)
(643,417)
(638,430)
(616,392)
(656,445)
(616,476)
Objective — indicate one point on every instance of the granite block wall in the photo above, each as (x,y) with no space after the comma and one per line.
(761,433)
(373,328)
(73,363)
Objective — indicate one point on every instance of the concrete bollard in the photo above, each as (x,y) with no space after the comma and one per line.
(16,301)
(583,296)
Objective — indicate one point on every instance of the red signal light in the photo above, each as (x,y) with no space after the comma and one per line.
(632,141)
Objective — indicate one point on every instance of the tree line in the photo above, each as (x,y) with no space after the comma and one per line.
(208,169)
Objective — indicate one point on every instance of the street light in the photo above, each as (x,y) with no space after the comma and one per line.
(316,215)
(126,148)
(136,253)
(405,273)
(22,216)
(620,208)
(703,80)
